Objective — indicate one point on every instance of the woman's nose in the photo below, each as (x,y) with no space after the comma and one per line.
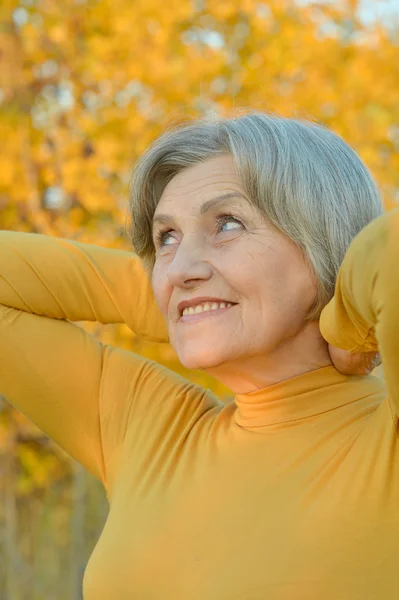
(189,265)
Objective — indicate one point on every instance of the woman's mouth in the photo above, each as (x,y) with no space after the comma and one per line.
(204,314)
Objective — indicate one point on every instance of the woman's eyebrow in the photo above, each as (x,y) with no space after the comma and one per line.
(161,218)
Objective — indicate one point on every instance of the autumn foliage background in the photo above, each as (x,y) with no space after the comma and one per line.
(85,86)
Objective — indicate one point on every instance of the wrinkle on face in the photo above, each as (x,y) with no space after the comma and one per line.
(265,338)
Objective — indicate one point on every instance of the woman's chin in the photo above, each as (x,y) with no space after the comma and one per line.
(199,360)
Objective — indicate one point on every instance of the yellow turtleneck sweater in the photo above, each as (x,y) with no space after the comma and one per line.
(287,493)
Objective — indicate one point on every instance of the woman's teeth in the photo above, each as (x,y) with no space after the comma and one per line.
(205,307)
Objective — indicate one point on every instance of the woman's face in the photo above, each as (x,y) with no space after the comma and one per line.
(241,259)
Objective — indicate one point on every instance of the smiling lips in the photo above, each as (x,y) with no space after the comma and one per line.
(205,306)
(207,311)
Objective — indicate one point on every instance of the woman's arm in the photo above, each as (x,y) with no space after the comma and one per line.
(363,315)
(88,396)
(51,371)
(75,281)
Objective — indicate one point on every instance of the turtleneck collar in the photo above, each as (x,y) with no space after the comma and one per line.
(304,396)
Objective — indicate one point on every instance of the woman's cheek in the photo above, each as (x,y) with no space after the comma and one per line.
(161,291)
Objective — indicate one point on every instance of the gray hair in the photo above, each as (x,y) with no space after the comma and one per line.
(305,179)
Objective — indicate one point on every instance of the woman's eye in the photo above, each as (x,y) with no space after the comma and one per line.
(161,235)
(222,220)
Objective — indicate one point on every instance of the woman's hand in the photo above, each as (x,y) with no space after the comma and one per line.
(354,363)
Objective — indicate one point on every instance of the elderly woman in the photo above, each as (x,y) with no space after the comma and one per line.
(274,269)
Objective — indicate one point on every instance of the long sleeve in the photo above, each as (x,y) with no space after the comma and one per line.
(75,281)
(84,394)
(363,315)
(50,369)
(87,395)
